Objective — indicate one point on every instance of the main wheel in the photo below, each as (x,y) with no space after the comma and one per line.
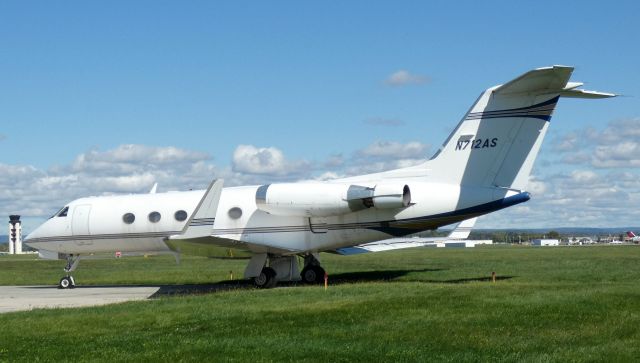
(66,282)
(312,274)
(266,279)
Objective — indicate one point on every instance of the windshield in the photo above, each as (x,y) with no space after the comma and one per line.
(61,213)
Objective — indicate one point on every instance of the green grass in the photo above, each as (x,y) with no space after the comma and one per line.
(558,304)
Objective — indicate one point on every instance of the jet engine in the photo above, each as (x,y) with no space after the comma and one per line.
(328,199)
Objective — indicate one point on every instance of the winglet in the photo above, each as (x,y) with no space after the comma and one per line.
(463,229)
(201,221)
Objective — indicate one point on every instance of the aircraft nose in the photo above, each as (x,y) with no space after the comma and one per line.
(32,235)
(36,233)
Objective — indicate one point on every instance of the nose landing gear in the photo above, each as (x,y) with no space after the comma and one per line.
(67,282)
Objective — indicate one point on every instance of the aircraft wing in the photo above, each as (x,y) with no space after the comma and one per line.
(196,239)
(461,232)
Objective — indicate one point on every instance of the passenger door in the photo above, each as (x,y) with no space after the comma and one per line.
(80,224)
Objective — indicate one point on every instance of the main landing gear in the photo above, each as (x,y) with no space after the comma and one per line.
(266,279)
(266,270)
(67,282)
(312,273)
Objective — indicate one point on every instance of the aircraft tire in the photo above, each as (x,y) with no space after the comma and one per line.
(65,283)
(266,279)
(312,274)
(272,280)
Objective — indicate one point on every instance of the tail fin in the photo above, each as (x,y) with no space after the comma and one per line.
(498,140)
(630,234)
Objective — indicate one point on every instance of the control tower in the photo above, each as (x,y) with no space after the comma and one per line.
(15,235)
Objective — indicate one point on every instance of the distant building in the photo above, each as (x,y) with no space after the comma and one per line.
(580,241)
(466,243)
(545,242)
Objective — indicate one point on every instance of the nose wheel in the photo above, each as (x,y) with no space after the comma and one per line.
(67,282)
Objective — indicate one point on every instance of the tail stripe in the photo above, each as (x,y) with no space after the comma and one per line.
(541,110)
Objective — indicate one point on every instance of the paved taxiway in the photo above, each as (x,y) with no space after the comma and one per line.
(17,298)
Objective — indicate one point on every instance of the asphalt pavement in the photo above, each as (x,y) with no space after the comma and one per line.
(19,298)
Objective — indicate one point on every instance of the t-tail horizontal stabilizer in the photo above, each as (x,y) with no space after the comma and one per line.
(461,232)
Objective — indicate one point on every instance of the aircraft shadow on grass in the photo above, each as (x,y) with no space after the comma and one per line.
(336,279)
(373,276)
(198,289)
(389,275)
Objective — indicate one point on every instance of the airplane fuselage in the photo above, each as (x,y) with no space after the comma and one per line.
(143,222)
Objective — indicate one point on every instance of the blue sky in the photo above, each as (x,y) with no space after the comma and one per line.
(109,97)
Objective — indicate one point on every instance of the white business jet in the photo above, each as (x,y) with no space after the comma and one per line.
(482,167)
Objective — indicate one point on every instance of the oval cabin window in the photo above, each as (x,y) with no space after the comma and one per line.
(235,213)
(154,217)
(128,218)
(180,215)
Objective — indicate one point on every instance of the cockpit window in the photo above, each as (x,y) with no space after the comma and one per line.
(62,212)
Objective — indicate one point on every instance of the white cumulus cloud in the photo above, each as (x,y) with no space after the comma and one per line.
(264,160)
(615,146)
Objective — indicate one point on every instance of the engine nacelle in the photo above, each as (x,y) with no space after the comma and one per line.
(327,199)
(386,196)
